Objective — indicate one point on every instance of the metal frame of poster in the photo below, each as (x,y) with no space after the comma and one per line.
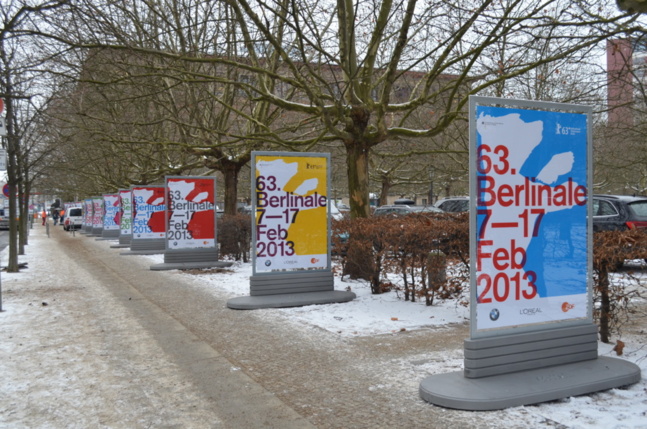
(191,224)
(88,215)
(531,240)
(291,212)
(111,216)
(97,216)
(148,220)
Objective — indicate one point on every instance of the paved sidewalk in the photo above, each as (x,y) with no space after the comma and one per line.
(118,345)
(81,348)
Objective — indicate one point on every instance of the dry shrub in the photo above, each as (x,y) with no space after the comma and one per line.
(612,301)
(365,249)
(401,245)
(234,236)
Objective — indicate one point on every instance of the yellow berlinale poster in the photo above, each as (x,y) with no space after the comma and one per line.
(291,212)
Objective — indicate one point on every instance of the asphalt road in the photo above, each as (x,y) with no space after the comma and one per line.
(4,240)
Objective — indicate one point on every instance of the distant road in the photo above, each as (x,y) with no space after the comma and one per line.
(4,240)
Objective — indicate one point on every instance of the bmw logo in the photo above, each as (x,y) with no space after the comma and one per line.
(494,314)
(268,263)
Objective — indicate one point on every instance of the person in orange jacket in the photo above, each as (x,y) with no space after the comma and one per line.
(43,215)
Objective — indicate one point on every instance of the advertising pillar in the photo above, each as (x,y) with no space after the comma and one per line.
(149,224)
(111,217)
(125,215)
(88,216)
(97,216)
(530,262)
(191,224)
(291,232)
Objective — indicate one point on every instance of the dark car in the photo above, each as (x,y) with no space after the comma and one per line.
(401,209)
(622,213)
(619,212)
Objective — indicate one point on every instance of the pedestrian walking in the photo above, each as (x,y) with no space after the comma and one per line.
(43,216)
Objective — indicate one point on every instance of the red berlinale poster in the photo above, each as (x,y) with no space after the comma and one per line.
(191,221)
(148,212)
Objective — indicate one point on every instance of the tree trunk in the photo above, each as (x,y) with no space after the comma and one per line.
(12,181)
(386,187)
(605,308)
(230,173)
(25,219)
(358,183)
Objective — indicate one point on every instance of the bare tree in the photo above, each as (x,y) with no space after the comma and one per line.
(347,66)
(357,76)
(18,88)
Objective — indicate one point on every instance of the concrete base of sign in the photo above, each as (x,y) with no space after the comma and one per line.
(183,259)
(96,232)
(190,265)
(124,241)
(119,246)
(142,252)
(109,234)
(289,300)
(146,246)
(293,289)
(454,390)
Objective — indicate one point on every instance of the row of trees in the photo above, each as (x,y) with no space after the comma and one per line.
(125,92)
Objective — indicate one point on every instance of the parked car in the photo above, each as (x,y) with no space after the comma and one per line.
(454,204)
(619,212)
(388,210)
(73,218)
(622,213)
(401,209)
(404,201)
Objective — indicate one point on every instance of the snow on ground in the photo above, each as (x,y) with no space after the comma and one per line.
(370,315)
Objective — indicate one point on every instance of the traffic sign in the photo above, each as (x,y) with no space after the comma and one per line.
(5,190)
(1,105)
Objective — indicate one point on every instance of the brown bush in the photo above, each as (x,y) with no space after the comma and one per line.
(401,245)
(610,249)
(235,235)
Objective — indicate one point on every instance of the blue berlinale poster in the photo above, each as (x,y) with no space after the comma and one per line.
(531,186)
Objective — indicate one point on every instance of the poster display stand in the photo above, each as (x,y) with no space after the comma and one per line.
(88,215)
(111,217)
(97,217)
(125,219)
(148,225)
(290,233)
(190,224)
(532,336)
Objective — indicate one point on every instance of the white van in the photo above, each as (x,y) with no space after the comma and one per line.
(73,218)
